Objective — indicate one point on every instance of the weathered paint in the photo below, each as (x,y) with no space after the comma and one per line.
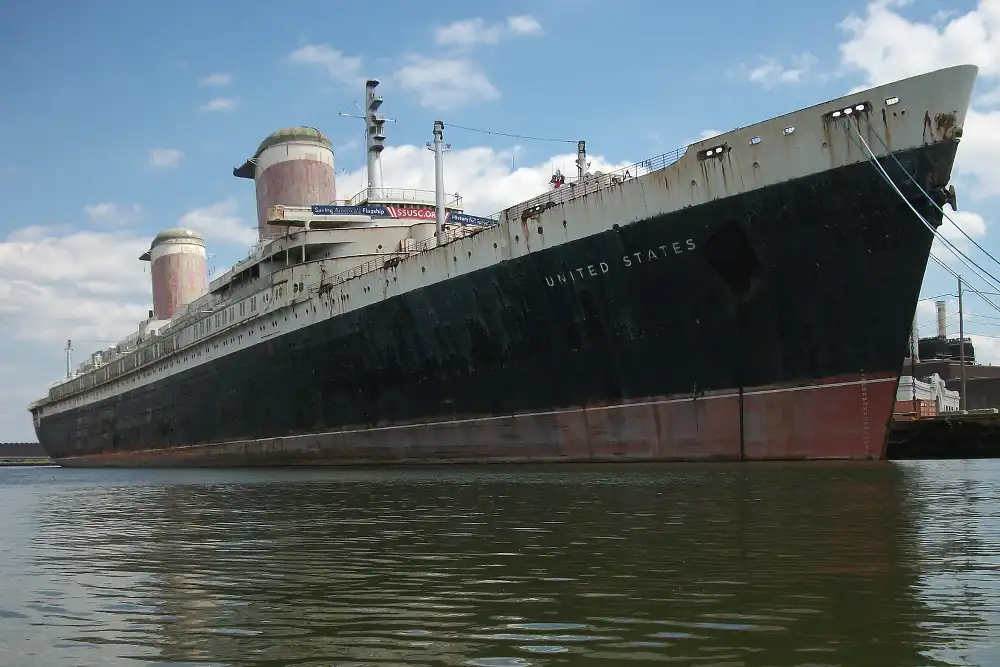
(798,155)
(838,418)
(179,275)
(474,330)
(759,292)
(294,174)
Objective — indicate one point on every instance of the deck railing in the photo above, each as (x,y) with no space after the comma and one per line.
(574,189)
(566,193)
(388,260)
(380,195)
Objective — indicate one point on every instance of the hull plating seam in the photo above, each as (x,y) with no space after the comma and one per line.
(568,411)
(823,421)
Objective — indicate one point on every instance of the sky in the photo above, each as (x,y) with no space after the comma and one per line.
(121,119)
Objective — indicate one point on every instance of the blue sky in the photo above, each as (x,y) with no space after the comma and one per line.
(100,84)
(124,118)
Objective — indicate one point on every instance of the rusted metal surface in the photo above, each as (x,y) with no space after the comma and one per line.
(178,278)
(296,182)
(944,124)
(838,418)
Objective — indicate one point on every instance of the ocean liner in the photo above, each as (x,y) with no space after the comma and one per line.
(749,297)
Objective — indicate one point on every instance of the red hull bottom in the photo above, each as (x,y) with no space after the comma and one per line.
(835,418)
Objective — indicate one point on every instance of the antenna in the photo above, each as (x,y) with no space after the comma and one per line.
(439,148)
(69,358)
(374,131)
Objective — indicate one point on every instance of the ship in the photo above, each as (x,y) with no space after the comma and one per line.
(748,297)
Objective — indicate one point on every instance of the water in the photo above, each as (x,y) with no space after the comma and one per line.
(803,564)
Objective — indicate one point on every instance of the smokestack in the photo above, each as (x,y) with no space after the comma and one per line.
(942,327)
(178,271)
(294,167)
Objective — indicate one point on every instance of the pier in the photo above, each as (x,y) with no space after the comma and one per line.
(23,454)
(955,435)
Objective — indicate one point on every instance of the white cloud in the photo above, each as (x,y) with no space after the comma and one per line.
(80,284)
(770,72)
(979,153)
(110,213)
(164,157)
(468,32)
(524,25)
(340,67)
(972,224)
(885,46)
(880,46)
(219,104)
(990,99)
(220,222)
(987,349)
(445,83)
(59,283)
(216,80)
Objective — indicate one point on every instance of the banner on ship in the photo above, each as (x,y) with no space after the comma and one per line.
(382,211)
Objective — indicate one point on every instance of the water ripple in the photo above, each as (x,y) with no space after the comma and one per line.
(696,565)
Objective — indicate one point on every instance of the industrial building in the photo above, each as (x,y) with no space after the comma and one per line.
(940,356)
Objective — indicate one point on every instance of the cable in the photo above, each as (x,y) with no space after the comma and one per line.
(931,200)
(948,244)
(958,277)
(958,253)
(514,136)
(929,298)
(965,259)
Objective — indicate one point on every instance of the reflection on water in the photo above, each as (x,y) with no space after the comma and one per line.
(706,565)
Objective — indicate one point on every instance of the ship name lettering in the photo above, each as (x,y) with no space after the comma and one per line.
(647,256)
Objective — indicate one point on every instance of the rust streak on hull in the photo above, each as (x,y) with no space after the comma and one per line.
(837,418)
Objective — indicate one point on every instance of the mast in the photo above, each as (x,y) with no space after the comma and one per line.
(581,160)
(439,176)
(69,359)
(374,133)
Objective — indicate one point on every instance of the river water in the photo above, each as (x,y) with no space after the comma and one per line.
(888,564)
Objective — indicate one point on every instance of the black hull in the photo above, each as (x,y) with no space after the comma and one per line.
(812,279)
